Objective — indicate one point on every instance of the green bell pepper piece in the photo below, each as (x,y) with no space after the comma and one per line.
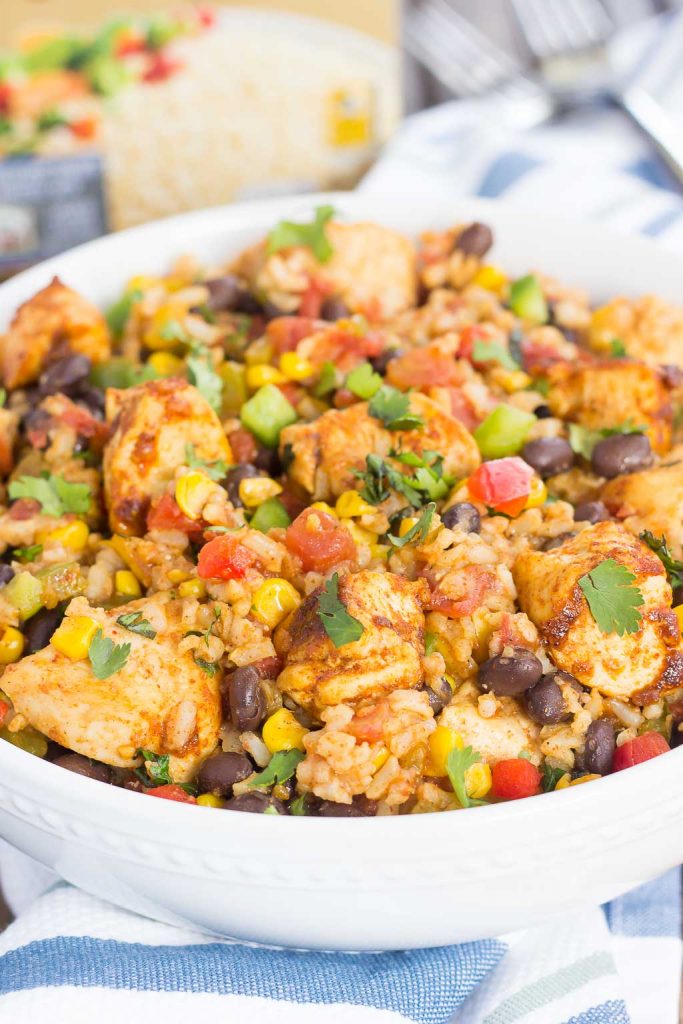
(268,515)
(25,593)
(527,299)
(266,414)
(503,432)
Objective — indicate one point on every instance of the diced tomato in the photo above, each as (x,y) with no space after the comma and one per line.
(24,508)
(166,515)
(423,368)
(243,445)
(224,558)
(172,792)
(292,392)
(514,779)
(4,708)
(82,421)
(285,332)
(343,398)
(345,346)
(313,297)
(461,408)
(372,310)
(368,724)
(129,42)
(205,16)
(502,484)
(471,333)
(319,540)
(5,97)
(641,748)
(479,582)
(161,67)
(84,128)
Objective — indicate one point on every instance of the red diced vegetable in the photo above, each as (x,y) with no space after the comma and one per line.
(319,540)
(285,332)
(224,558)
(641,748)
(243,445)
(166,515)
(502,484)
(423,368)
(172,792)
(514,779)
(4,708)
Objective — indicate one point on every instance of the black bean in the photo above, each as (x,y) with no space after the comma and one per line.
(224,293)
(255,803)
(462,516)
(508,676)
(84,766)
(268,460)
(91,398)
(241,471)
(219,773)
(439,695)
(548,455)
(591,512)
(621,453)
(475,240)
(545,702)
(40,628)
(380,362)
(272,312)
(81,444)
(35,419)
(677,597)
(543,412)
(600,747)
(676,735)
(361,807)
(6,574)
(245,697)
(64,375)
(556,542)
(334,308)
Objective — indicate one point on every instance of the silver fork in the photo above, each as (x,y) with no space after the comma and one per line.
(469,64)
(567,37)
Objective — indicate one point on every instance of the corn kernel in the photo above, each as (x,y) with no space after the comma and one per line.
(126,584)
(281,791)
(176,576)
(166,364)
(122,547)
(351,504)
(254,490)
(406,525)
(491,278)
(274,600)
(192,491)
(381,758)
(260,351)
(73,535)
(209,800)
(282,731)
(261,374)
(359,534)
(322,506)
(513,380)
(583,778)
(296,368)
(478,780)
(165,331)
(192,588)
(564,781)
(441,742)
(537,494)
(141,282)
(678,612)
(12,644)
(73,637)
(379,551)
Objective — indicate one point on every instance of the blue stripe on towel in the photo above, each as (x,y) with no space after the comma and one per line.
(504,172)
(612,1012)
(662,221)
(651,910)
(425,985)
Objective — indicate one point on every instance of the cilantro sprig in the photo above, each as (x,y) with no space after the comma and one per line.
(617,349)
(55,494)
(659,545)
(612,597)
(551,777)
(216,470)
(201,373)
(105,656)
(392,408)
(313,236)
(327,381)
(429,482)
(157,771)
(340,626)
(417,532)
(135,622)
(457,764)
(28,554)
(280,768)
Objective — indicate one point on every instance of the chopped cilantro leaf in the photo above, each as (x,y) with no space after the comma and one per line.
(173,330)
(417,532)
(430,643)
(117,315)
(134,622)
(216,470)
(281,767)
(287,234)
(617,348)
(363,381)
(341,627)
(28,554)
(493,352)
(56,495)
(551,777)
(156,766)
(612,597)
(458,763)
(298,807)
(201,373)
(583,440)
(105,656)
(3,397)
(210,667)
(674,567)
(327,381)
(392,408)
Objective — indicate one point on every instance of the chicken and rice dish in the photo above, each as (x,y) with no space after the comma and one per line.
(351,525)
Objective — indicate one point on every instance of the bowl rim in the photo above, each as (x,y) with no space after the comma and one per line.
(35,775)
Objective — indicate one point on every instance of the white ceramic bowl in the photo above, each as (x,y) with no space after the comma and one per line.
(355,884)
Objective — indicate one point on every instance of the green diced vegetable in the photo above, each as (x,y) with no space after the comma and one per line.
(25,593)
(58,52)
(270,514)
(160,31)
(363,381)
(527,299)
(267,413)
(117,315)
(233,376)
(107,75)
(503,432)
(120,373)
(28,739)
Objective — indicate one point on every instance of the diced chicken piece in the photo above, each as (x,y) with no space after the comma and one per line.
(634,666)
(608,394)
(9,425)
(151,426)
(387,656)
(372,268)
(326,451)
(55,322)
(651,500)
(504,735)
(649,328)
(159,700)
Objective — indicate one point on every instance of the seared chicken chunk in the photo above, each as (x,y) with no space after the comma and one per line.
(387,656)
(151,426)
(650,329)
(159,700)
(501,736)
(372,269)
(634,666)
(609,394)
(651,500)
(55,322)
(9,426)
(326,451)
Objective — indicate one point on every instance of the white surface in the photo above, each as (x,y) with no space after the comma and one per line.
(352,883)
